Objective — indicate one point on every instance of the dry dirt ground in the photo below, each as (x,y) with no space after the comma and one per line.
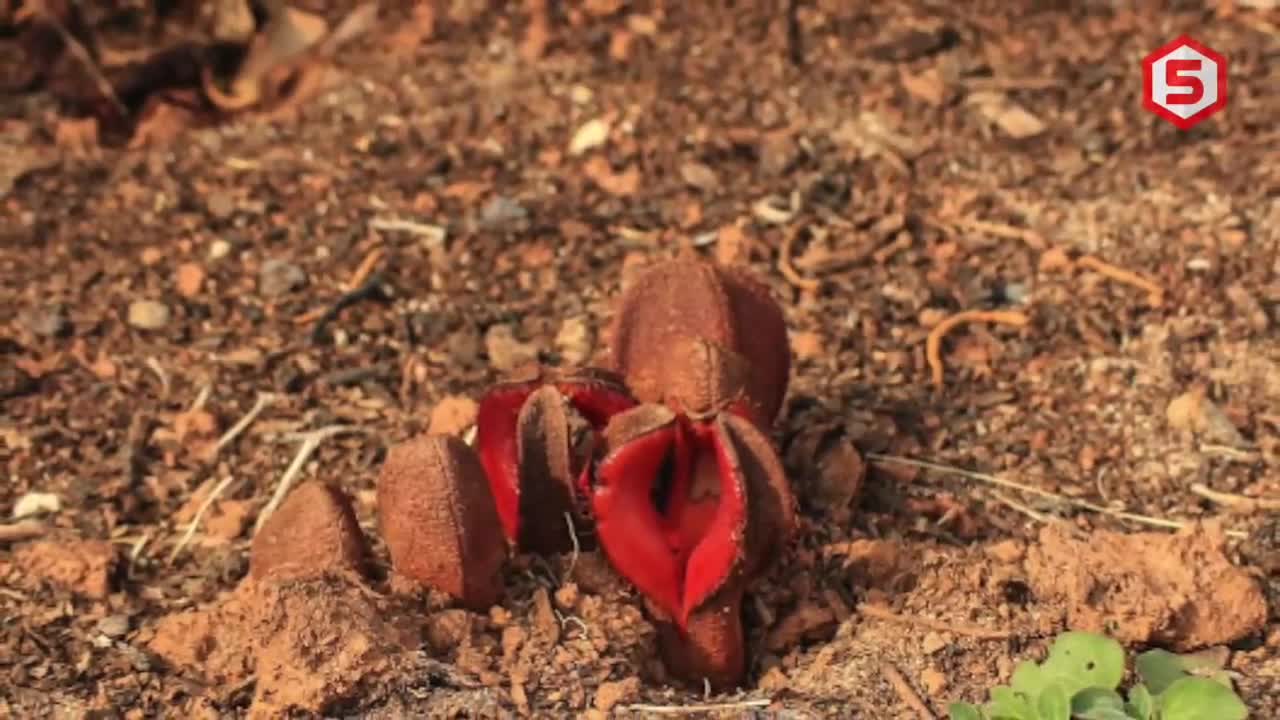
(456,202)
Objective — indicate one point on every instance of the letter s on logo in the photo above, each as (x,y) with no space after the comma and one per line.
(1173,78)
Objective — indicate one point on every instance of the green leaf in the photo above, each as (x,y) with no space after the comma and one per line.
(1159,669)
(1104,714)
(1081,660)
(1008,704)
(1054,703)
(1141,705)
(1092,700)
(1028,679)
(1194,698)
(964,711)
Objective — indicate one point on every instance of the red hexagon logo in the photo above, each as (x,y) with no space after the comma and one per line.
(1184,82)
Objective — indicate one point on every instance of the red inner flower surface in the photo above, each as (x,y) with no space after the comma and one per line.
(498,445)
(670,514)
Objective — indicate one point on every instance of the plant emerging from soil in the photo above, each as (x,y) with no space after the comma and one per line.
(1080,680)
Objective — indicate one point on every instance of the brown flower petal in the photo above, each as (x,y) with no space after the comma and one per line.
(439,520)
(313,531)
(771,505)
(691,298)
(554,444)
(534,449)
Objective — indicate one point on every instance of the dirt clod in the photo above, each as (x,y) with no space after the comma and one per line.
(1178,590)
(87,567)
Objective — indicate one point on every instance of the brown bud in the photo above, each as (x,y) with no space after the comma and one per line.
(313,531)
(439,520)
(724,306)
(714,378)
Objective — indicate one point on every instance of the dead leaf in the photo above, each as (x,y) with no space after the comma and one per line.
(599,171)
(78,136)
(1012,119)
(926,86)
(421,27)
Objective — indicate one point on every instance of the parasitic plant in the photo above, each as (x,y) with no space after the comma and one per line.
(439,521)
(721,308)
(314,531)
(690,512)
(667,454)
(690,498)
(535,438)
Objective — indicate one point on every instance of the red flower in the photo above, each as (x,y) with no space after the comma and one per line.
(535,439)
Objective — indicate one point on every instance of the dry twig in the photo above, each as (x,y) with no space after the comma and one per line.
(1239,503)
(78,49)
(933,345)
(310,441)
(880,612)
(365,268)
(1155,293)
(697,708)
(260,404)
(787,269)
(195,521)
(1032,238)
(1021,487)
(21,530)
(906,693)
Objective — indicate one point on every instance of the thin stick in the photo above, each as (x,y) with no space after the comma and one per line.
(700,708)
(1024,509)
(787,269)
(1155,293)
(365,268)
(310,441)
(906,693)
(1001,482)
(82,54)
(1241,503)
(260,404)
(933,345)
(1000,230)
(880,612)
(577,548)
(195,521)
(433,233)
(21,530)
(154,364)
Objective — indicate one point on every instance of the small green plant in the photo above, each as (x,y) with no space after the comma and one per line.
(1080,680)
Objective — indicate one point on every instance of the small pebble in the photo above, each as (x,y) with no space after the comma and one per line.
(114,626)
(278,277)
(505,352)
(46,320)
(148,314)
(575,341)
(189,279)
(502,211)
(219,249)
(220,204)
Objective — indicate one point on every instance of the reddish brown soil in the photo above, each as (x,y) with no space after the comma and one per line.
(917,189)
